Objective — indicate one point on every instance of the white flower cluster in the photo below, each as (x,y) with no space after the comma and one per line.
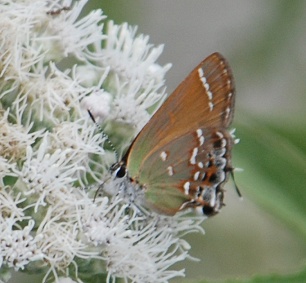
(54,66)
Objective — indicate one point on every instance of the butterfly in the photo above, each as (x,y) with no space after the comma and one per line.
(182,157)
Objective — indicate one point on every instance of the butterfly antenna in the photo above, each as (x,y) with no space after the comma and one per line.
(97,191)
(236,187)
(104,135)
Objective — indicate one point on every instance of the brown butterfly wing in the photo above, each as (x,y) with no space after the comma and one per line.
(199,109)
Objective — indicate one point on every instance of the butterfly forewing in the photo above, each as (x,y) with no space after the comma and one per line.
(186,140)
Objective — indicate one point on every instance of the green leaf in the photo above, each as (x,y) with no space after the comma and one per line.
(274,170)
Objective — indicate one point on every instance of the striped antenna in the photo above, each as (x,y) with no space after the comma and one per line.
(104,135)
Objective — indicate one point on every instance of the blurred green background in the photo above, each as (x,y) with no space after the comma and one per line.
(264,42)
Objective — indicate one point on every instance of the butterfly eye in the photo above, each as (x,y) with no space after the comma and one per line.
(119,170)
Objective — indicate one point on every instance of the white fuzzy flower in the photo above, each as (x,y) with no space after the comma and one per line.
(18,247)
(15,138)
(98,103)
(6,169)
(134,77)
(52,154)
(65,280)
(66,33)
(46,174)
(137,247)
(131,57)
(85,145)
(10,205)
